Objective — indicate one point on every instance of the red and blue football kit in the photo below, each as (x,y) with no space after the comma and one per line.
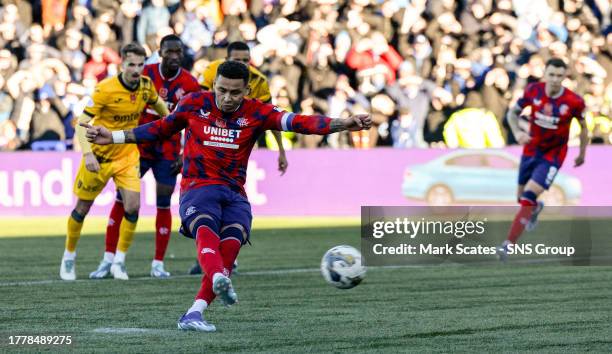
(550,121)
(160,155)
(217,150)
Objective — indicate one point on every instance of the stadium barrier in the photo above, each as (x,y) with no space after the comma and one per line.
(324,182)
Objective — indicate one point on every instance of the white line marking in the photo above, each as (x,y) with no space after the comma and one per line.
(314,270)
(110,330)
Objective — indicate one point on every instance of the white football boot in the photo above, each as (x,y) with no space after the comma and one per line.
(67,269)
(118,271)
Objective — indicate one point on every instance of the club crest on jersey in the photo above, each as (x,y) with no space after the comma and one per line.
(563,109)
(133,98)
(242,122)
(220,123)
(537,101)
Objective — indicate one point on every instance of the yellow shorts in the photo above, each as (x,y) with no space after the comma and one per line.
(125,173)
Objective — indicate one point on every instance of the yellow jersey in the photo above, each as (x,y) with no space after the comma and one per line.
(258,83)
(117,107)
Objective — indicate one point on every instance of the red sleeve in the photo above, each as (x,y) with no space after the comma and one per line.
(527,97)
(277,119)
(162,129)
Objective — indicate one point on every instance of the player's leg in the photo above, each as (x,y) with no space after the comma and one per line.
(131,202)
(112,232)
(200,211)
(542,178)
(87,186)
(127,180)
(73,234)
(111,239)
(165,182)
(526,168)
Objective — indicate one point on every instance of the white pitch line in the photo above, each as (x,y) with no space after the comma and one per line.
(313,270)
(253,273)
(240,274)
(111,330)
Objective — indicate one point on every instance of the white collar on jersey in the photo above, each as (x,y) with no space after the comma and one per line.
(558,94)
(178,72)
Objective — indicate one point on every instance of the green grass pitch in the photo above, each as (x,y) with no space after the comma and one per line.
(286,307)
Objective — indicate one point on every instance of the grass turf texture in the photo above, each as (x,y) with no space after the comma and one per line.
(493,308)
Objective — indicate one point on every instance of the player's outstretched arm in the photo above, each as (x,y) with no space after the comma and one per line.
(102,136)
(352,123)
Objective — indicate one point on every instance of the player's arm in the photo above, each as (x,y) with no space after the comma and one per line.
(91,163)
(312,124)
(160,107)
(513,118)
(584,134)
(159,129)
(262,92)
(98,101)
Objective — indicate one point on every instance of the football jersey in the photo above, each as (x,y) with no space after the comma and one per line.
(217,144)
(550,121)
(117,107)
(171,90)
(258,83)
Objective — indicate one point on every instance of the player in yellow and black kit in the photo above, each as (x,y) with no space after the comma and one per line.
(117,104)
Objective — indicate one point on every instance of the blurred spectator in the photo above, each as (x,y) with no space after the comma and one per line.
(154,17)
(417,66)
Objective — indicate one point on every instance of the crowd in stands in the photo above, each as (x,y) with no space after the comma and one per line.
(432,73)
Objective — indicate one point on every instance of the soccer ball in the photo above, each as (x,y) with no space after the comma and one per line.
(342,267)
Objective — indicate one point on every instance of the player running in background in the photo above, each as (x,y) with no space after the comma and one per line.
(552,109)
(162,157)
(258,88)
(221,129)
(117,104)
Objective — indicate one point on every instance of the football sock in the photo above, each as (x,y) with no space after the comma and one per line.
(229,249)
(112,228)
(126,232)
(163,225)
(198,305)
(528,204)
(69,255)
(209,257)
(75,224)
(206,293)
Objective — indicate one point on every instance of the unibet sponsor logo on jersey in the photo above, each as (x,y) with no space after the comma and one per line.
(546,121)
(221,137)
(126,117)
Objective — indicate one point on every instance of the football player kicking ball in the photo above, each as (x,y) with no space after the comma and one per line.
(258,88)
(117,104)
(172,83)
(221,128)
(552,109)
